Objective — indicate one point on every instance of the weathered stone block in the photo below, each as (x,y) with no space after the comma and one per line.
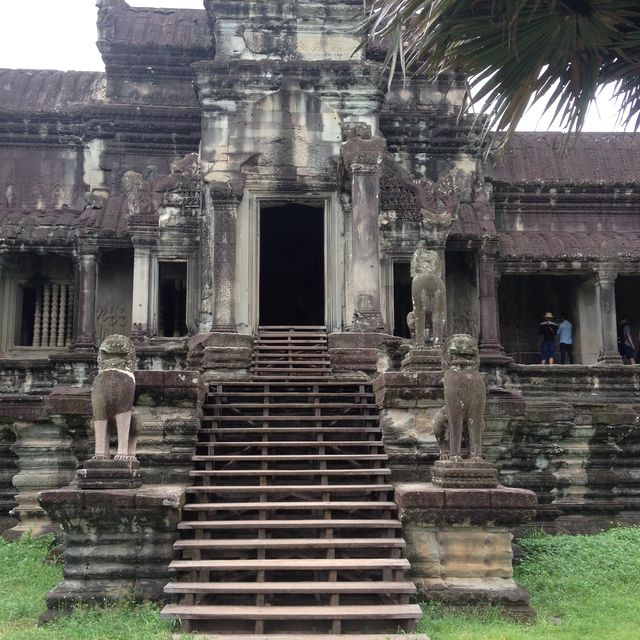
(118,543)
(460,547)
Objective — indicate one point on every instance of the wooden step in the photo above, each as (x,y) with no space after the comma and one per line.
(292,564)
(300,332)
(267,348)
(278,378)
(345,612)
(232,473)
(302,505)
(312,406)
(316,457)
(342,523)
(291,543)
(299,636)
(288,369)
(268,430)
(245,418)
(295,361)
(310,444)
(306,488)
(328,384)
(292,327)
(372,586)
(287,394)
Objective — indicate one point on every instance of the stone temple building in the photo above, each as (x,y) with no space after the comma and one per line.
(249,165)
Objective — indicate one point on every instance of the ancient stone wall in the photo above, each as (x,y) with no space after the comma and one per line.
(45,436)
(573,437)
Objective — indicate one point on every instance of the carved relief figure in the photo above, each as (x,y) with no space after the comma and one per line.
(112,396)
(140,195)
(465,396)
(429,299)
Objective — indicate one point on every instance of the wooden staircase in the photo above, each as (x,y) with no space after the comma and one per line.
(290,525)
(291,353)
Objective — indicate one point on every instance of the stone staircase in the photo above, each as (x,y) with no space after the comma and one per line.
(290,526)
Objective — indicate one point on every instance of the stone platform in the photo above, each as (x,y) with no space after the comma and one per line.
(110,474)
(459,543)
(464,474)
(119,543)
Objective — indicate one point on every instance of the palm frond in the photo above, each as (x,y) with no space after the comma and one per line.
(515,52)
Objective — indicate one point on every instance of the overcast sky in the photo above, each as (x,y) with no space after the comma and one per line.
(61,34)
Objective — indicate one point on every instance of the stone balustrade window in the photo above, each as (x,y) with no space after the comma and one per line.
(46,319)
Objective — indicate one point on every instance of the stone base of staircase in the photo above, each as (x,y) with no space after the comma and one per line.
(118,543)
(459,544)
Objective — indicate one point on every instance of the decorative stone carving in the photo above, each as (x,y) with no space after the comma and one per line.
(433,204)
(183,172)
(139,193)
(93,200)
(465,395)
(360,152)
(112,396)
(429,298)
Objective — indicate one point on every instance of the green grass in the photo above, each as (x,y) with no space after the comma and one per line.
(583,588)
(25,577)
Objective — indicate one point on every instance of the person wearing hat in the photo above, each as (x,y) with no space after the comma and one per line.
(548,329)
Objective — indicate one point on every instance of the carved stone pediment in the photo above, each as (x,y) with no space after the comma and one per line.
(432,205)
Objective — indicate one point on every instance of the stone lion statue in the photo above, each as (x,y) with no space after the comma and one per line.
(112,396)
(429,299)
(465,395)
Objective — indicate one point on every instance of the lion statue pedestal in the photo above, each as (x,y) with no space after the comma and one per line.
(458,526)
(112,396)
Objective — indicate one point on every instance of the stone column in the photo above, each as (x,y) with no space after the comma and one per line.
(365,193)
(45,461)
(142,284)
(86,311)
(362,156)
(225,213)
(490,347)
(609,354)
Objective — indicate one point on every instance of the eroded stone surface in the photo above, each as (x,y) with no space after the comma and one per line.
(118,543)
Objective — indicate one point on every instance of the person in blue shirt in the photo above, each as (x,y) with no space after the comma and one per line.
(565,335)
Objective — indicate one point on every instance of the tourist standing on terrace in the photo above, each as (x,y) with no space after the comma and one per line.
(548,329)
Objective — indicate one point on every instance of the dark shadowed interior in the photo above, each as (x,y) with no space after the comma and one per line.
(292,265)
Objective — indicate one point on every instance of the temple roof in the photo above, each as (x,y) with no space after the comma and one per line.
(569,244)
(48,91)
(600,158)
(147,28)
(59,226)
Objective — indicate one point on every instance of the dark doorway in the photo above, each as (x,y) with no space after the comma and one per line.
(402,303)
(172,299)
(292,265)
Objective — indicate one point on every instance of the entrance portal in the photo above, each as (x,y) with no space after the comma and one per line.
(292,289)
